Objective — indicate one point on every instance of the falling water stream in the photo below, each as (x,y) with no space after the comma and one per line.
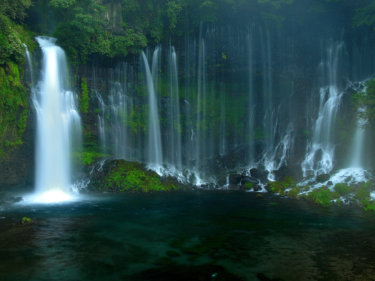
(58,126)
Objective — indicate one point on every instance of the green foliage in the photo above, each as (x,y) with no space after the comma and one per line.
(342,189)
(61,3)
(365,15)
(86,158)
(323,196)
(13,107)
(130,176)
(363,192)
(84,96)
(368,205)
(14,9)
(366,101)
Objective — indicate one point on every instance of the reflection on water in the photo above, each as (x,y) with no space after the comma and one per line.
(186,236)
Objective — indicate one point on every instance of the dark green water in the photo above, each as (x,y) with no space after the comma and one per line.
(186,236)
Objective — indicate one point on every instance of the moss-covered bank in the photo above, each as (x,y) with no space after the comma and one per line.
(325,196)
(124,176)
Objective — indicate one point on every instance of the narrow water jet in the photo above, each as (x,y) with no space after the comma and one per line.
(58,126)
(155,155)
(357,151)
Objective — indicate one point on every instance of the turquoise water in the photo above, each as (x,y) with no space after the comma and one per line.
(186,236)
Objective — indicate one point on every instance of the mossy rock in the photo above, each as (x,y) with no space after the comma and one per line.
(25,220)
(294,192)
(322,196)
(281,186)
(342,189)
(125,176)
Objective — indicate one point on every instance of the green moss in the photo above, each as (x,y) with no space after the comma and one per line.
(84,98)
(280,186)
(368,205)
(130,176)
(13,107)
(363,192)
(294,192)
(323,196)
(342,189)
(86,158)
(25,220)
(248,185)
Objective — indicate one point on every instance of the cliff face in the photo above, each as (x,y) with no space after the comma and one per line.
(17,167)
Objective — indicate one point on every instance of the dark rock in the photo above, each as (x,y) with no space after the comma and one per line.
(246,179)
(293,171)
(329,183)
(235,179)
(234,187)
(322,178)
(259,174)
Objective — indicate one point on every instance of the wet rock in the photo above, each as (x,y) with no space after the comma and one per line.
(246,179)
(249,183)
(235,179)
(259,174)
(322,178)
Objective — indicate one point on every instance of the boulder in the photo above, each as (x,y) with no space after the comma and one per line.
(322,178)
(235,179)
(259,174)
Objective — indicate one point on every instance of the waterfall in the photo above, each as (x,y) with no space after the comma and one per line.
(357,150)
(226,100)
(174,124)
(201,106)
(251,103)
(319,158)
(154,155)
(58,125)
(29,65)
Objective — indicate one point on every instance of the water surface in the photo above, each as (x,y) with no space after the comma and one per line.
(186,236)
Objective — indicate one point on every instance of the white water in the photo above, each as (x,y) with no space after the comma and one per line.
(319,158)
(58,125)
(155,158)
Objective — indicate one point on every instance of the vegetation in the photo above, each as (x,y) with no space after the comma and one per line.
(281,186)
(84,98)
(13,107)
(342,189)
(25,220)
(322,196)
(13,96)
(365,101)
(124,176)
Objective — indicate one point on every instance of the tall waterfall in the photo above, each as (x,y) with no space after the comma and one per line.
(155,155)
(319,158)
(173,113)
(58,125)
